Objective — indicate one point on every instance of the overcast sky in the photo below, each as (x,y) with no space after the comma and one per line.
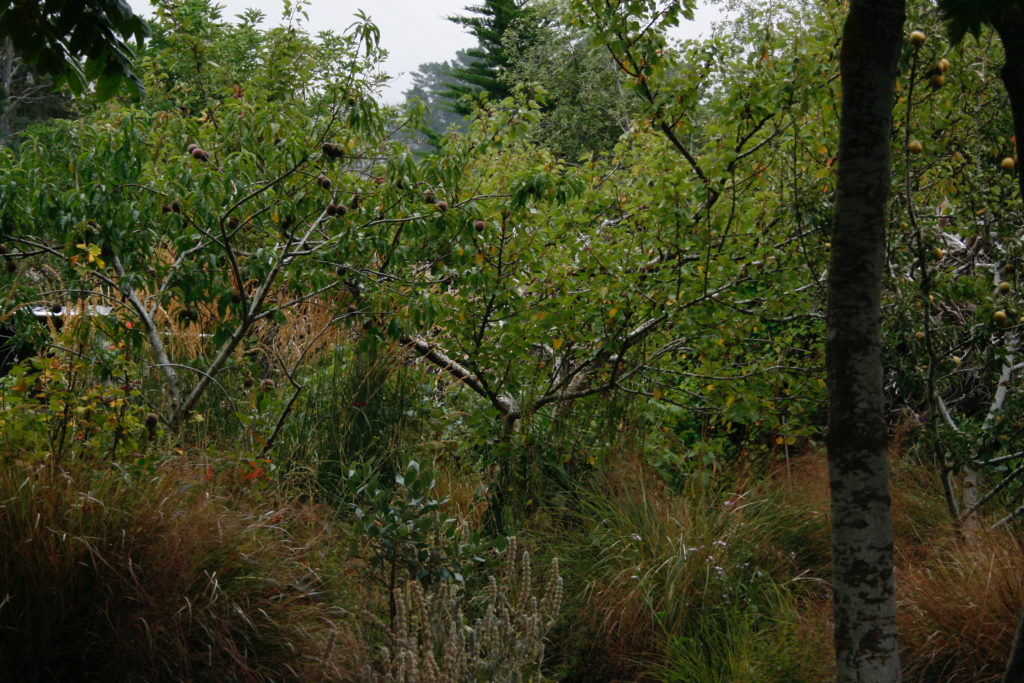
(412,31)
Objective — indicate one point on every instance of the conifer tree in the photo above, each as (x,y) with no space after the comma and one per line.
(489,22)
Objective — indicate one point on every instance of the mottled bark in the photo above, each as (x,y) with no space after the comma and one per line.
(863,584)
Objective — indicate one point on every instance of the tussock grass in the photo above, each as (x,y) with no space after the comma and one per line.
(698,586)
(959,606)
(109,578)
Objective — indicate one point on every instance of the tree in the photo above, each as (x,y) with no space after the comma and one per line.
(1007,18)
(587,104)
(863,582)
(25,97)
(693,285)
(492,21)
(56,36)
(428,82)
(207,210)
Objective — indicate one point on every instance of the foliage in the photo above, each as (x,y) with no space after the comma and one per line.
(407,535)
(60,408)
(221,238)
(587,105)
(660,583)
(25,96)
(55,36)
(953,242)
(495,20)
(696,287)
(595,307)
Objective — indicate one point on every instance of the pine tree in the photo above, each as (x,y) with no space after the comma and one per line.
(490,23)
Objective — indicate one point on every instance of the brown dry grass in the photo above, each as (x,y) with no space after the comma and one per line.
(109,577)
(958,598)
(959,607)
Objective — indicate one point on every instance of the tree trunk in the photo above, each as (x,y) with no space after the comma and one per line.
(863,584)
(1008,22)
(1015,667)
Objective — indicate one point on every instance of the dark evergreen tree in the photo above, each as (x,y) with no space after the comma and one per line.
(490,22)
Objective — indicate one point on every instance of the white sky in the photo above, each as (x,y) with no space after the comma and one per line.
(412,31)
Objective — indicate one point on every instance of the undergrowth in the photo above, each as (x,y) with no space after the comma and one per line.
(109,577)
(697,586)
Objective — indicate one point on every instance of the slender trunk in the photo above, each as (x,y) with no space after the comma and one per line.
(7,65)
(156,343)
(1009,24)
(1015,667)
(863,584)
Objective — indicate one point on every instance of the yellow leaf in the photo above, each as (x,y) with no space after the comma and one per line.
(479,258)
(657,394)
(729,401)
(612,312)
(556,343)
(591,460)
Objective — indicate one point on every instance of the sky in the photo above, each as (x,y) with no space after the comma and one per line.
(412,31)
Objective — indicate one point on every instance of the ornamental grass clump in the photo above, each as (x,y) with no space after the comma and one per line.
(959,607)
(109,577)
(704,581)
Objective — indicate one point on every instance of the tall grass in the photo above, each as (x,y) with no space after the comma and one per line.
(959,607)
(359,403)
(700,586)
(105,578)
